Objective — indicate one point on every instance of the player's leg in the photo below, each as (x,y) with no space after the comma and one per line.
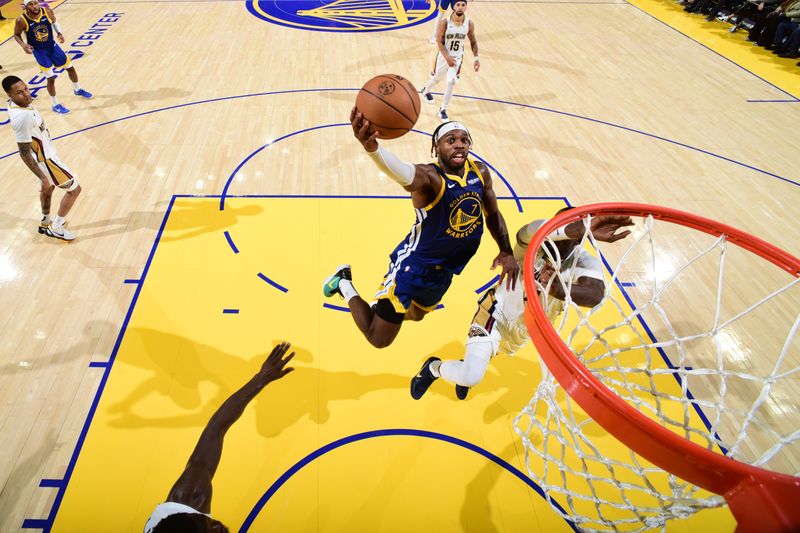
(45,199)
(61,60)
(380,323)
(72,189)
(438,74)
(463,374)
(452,77)
(482,344)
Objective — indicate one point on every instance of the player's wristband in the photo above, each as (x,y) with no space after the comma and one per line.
(57,27)
(477,59)
(559,235)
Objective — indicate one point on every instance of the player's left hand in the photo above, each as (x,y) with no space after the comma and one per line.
(274,367)
(604,227)
(60,37)
(477,66)
(510,269)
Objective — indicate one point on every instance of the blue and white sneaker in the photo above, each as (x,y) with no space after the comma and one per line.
(428,97)
(60,109)
(83,93)
(443,115)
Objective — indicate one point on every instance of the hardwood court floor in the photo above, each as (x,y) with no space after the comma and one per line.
(588,101)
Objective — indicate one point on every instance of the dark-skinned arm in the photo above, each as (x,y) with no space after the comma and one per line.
(19,26)
(497,227)
(585,291)
(26,154)
(193,487)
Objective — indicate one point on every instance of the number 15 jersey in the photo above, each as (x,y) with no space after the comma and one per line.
(455,37)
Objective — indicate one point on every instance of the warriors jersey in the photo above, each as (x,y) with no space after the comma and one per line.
(455,37)
(448,230)
(38,32)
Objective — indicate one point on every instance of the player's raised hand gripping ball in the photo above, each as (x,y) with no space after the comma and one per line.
(390,103)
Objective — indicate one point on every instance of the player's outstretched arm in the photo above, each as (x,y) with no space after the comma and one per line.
(411,177)
(193,487)
(604,228)
(585,291)
(497,227)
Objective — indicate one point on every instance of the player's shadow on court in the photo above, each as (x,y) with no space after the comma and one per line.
(134,97)
(24,474)
(181,367)
(187,219)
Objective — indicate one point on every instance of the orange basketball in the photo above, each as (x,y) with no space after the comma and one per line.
(391,104)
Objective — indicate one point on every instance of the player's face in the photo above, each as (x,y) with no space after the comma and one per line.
(32,7)
(459,8)
(453,149)
(20,94)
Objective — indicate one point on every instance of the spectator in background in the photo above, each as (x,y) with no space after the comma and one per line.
(763,33)
(787,37)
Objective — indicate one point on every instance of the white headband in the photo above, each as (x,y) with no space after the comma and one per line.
(28,2)
(448,127)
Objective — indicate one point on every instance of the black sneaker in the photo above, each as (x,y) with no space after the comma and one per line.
(461,392)
(43,226)
(423,380)
(443,115)
(331,284)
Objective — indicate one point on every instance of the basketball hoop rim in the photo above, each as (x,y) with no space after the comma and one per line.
(669,451)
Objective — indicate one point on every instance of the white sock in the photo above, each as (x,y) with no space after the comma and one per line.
(76,86)
(58,221)
(347,289)
(45,218)
(55,100)
(434,368)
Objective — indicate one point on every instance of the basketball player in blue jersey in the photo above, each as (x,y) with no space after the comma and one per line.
(39,23)
(453,199)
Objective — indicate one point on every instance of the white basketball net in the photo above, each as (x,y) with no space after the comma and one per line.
(724,343)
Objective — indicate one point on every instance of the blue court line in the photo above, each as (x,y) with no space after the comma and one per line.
(715,52)
(98,364)
(47,524)
(36,523)
(633,130)
(276,285)
(336,307)
(230,242)
(132,281)
(627,283)
(230,311)
(248,522)
(339,124)
(774,101)
(487,285)
(51,483)
(516,104)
